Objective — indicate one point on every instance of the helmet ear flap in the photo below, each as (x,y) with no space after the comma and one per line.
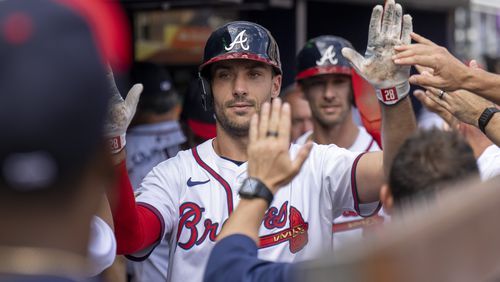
(206,92)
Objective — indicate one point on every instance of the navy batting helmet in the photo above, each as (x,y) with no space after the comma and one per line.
(323,55)
(237,40)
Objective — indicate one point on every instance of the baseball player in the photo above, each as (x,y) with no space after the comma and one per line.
(325,77)
(189,197)
(301,113)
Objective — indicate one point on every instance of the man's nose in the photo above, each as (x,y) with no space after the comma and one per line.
(330,91)
(240,85)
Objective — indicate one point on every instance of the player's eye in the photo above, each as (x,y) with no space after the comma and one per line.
(254,74)
(223,75)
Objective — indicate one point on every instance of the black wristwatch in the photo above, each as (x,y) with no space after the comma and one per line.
(254,188)
(486,117)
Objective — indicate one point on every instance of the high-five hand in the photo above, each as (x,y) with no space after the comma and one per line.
(388,28)
(268,150)
(120,113)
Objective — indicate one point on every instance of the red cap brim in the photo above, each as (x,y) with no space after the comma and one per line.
(314,71)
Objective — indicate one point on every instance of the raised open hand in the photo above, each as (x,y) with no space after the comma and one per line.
(120,113)
(388,29)
(268,150)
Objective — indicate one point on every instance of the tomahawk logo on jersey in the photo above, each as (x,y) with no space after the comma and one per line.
(194,193)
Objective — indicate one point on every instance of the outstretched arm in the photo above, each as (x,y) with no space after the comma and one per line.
(388,28)
(136,227)
(449,73)
(462,105)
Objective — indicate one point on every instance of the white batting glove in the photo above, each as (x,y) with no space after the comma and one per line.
(377,67)
(120,113)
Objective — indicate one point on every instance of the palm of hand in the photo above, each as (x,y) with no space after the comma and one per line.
(378,67)
(118,119)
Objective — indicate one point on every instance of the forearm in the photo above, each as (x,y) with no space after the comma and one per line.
(493,129)
(136,227)
(398,122)
(246,219)
(483,83)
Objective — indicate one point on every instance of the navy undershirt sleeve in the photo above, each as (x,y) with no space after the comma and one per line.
(234,258)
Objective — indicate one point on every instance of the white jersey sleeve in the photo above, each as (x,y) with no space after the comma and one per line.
(489,162)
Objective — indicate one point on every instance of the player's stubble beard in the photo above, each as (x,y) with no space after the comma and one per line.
(329,122)
(231,127)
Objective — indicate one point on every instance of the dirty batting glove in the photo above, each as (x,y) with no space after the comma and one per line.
(120,114)
(377,67)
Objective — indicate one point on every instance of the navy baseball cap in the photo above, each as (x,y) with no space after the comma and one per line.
(53,90)
(159,94)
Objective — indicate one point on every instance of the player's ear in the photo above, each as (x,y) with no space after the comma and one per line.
(386,199)
(276,87)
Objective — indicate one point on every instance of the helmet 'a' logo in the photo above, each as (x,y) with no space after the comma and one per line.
(329,55)
(240,39)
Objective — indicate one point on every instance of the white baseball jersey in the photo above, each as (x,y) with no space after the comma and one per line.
(350,226)
(194,193)
(147,146)
(489,162)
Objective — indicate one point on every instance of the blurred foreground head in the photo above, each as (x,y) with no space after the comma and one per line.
(53,102)
(428,162)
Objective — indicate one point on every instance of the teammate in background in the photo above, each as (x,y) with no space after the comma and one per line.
(188,198)
(199,123)
(154,136)
(427,163)
(301,113)
(55,167)
(324,75)
(155,133)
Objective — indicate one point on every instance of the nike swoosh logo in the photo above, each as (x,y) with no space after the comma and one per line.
(194,183)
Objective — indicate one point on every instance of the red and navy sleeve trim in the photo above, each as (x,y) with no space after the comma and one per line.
(162,223)
(354,187)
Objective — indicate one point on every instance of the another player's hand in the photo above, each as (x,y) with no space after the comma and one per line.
(120,113)
(377,66)
(449,73)
(463,105)
(268,149)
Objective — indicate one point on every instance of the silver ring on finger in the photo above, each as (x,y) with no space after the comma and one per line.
(441,94)
(272,133)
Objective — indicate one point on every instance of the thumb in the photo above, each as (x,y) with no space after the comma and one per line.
(133,96)
(354,58)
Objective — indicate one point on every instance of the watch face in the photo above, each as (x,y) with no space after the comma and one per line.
(249,187)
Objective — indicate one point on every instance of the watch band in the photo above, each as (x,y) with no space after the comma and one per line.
(259,190)
(485,118)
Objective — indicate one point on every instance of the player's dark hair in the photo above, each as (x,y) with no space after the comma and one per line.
(429,161)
